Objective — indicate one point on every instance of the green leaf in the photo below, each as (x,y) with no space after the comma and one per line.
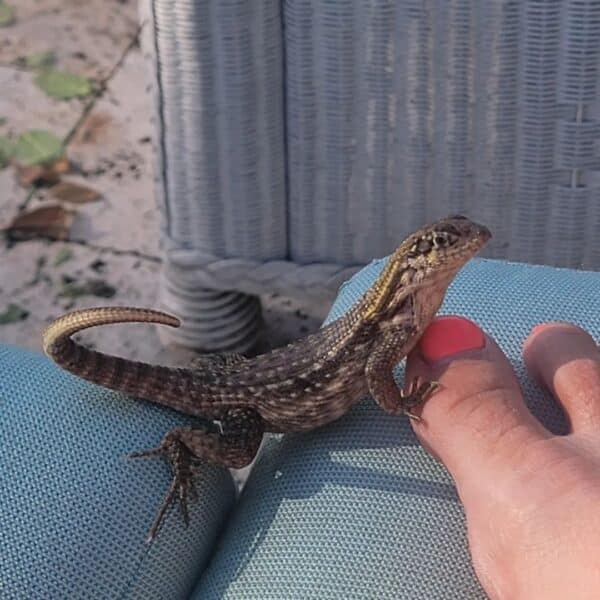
(13,314)
(63,85)
(92,287)
(37,147)
(63,255)
(3,121)
(7,14)
(40,60)
(7,151)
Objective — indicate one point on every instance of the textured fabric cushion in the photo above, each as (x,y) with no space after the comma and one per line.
(355,510)
(75,511)
(358,509)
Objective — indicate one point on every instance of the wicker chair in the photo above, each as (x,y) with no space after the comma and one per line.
(296,140)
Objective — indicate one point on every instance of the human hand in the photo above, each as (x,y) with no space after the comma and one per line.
(532,499)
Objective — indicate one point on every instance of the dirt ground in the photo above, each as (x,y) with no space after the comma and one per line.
(111,254)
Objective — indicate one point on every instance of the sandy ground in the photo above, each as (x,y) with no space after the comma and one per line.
(114,245)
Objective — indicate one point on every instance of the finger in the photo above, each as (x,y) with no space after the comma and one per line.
(478,416)
(566,360)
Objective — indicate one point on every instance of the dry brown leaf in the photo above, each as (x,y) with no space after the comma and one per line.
(47,174)
(52,222)
(75,193)
(95,129)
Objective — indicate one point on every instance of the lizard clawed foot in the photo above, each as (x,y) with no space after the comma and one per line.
(183,463)
(418,391)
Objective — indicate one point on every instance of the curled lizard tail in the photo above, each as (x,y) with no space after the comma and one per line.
(160,384)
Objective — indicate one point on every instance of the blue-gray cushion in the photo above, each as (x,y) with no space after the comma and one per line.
(358,509)
(354,510)
(75,511)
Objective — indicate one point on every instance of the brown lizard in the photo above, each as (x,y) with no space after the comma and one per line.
(304,385)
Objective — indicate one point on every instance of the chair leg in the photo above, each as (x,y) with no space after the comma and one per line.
(212,321)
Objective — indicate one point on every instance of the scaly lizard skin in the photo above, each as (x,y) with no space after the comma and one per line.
(304,385)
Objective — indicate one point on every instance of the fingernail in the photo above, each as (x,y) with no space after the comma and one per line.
(450,336)
(550,325)
(540,327)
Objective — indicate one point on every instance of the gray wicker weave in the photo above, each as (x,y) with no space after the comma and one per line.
(298,139)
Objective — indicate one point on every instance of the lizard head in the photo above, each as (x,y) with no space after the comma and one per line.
(425,263)
(441,248)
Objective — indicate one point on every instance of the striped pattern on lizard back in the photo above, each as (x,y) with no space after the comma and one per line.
(301,386)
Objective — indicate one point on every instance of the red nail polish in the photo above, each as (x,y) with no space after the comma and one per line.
(449,336)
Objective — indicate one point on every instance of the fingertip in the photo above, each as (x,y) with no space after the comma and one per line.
(479,410)
(542,338)
(565,359)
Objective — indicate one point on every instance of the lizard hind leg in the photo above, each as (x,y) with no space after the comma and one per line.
(232,443)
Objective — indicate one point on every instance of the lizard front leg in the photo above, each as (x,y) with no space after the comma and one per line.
(232,443)
(380,378)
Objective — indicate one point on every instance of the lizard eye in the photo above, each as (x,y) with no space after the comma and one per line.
(446,236)
(440,240)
